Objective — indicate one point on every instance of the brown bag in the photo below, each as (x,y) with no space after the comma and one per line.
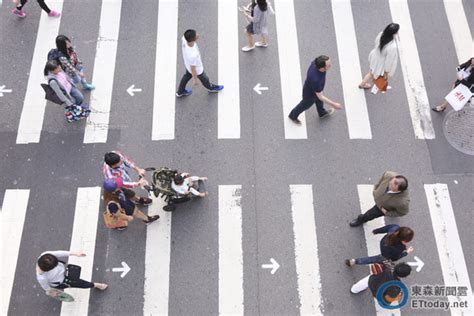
(114,221)
(376,268)
(381,83)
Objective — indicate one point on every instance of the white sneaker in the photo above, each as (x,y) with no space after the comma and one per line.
(247,48)
(260,44)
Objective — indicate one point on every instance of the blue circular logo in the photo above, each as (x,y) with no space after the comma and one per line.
(381,290)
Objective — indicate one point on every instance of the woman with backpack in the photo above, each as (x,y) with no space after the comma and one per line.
(65,89)
(70,62)
(393,245)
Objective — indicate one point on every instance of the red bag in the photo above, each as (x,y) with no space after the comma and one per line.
(376,268)
(381,83)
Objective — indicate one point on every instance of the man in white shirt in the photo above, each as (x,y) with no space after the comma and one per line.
(193,64)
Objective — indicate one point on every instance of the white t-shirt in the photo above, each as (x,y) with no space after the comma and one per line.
(191,56)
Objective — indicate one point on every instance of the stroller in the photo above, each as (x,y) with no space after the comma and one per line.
(161,184)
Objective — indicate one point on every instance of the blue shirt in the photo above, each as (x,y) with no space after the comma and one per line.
(314,82)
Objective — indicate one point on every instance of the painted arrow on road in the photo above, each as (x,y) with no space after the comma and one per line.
(273,265)
(3,90)
(418,264)
(132,89)
(259,89)
(124,269)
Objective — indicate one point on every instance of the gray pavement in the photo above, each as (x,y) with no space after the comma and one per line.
(262,161)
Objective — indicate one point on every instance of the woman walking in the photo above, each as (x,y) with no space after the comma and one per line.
(51,273)
(384,57)
(465,76)
(256,14)
(70,62)
(393,245)
(18,11)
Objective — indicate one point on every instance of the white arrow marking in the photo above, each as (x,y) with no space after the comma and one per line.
(418,264)
(3,90)
(132,89)
(259,89)
(273,265)
(125,268)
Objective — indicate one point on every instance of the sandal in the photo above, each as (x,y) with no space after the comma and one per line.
(101,286)
(438,109)
(365,86)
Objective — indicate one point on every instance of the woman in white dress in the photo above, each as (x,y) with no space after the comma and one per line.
(384,57)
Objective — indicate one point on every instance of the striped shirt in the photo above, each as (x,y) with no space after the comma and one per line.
(121,171)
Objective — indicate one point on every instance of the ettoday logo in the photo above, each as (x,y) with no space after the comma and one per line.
(380,295)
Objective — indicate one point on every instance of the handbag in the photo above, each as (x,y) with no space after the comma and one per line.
(459,96)
(382,83)
(50,95)
(376,268)
(73,272)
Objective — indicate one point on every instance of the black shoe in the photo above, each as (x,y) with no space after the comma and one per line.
(151,219)
(144,201)
(356,222)
(294,120)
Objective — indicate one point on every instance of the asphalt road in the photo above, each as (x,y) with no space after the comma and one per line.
(262,161)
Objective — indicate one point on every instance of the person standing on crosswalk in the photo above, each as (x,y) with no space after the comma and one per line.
(194,66)
(391,199)
(18,11)
(256,14)
(384,57)
(313,90)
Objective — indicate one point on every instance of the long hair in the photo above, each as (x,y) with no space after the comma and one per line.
(109,196)
(262,5)
(387,34)
(401,234)
(61,44)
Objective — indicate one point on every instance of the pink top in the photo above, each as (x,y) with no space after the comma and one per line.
(63,81)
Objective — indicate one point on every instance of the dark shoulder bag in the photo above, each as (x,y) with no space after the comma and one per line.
(50,94)
(73,272)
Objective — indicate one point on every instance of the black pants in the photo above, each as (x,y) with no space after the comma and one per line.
(81,284)
(187,76)
(374,212)
(40,2)
(306,104)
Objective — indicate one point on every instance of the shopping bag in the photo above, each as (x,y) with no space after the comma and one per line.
(459,96)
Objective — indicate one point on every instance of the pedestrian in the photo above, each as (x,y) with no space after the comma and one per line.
(119,208)
(313,90)
(52,273)
(384,57)
(194,66)
(393,292)
(256,14)
(393,246)
(116,165)
(183,184)
(69,61)
(465,76)
(391,199)
(18,11)
(65,89)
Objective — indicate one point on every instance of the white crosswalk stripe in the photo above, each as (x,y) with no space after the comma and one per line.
(32,114)
(83,239)
(104,69)
(450,250)
(12,220)
(306,249)
(463,41)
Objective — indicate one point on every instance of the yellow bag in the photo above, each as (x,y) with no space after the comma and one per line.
(114,221)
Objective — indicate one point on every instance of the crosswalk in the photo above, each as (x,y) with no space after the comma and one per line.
(291,70)
(231,258)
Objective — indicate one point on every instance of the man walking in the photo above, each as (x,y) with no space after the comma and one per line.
(391,199)
(313,90)
(193,64)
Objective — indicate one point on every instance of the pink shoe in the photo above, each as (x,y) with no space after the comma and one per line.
(18,13)
(54,14)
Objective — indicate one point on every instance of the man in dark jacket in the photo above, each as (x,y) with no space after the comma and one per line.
(375,281)
(391,199)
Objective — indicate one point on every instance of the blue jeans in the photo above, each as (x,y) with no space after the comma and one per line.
(306,104)
(77,95)
(76,79)
(387,229)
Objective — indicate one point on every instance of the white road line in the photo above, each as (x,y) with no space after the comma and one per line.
(228,70)
(460,31)
(104,70)
(306,249)
(34,105)
(451,256)
(164,99)
(231,279)
(290,70)
(354,98)
(83,238)
(157,261)
(412,73)
(12,219)
(373,241)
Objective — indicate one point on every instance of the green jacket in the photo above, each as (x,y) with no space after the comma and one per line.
(395,204)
